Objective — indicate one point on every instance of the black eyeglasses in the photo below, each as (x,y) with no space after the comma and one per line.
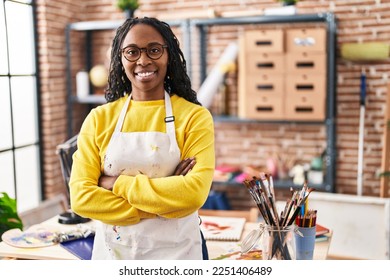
(153,51)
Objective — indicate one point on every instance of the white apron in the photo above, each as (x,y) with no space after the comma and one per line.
(154,154)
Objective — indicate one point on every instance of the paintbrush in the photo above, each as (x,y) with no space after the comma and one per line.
(253,190)
(299,206)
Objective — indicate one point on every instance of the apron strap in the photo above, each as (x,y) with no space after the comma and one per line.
(170,122)
(121,119)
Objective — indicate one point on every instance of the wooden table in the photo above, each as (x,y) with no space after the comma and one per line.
(56,252)
(53,252)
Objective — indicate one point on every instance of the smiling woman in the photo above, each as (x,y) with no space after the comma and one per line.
(145,160)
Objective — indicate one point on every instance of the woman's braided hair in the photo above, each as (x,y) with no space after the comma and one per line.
(176,80)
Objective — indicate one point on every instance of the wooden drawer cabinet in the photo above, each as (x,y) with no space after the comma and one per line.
(283,74)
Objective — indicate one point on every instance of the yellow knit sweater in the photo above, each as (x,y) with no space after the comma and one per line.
(138,197)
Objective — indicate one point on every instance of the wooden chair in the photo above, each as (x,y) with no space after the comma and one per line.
(251,215)
(47,209)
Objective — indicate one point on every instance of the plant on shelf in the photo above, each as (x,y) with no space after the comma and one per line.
(128,6)
(288,2)
(9,217)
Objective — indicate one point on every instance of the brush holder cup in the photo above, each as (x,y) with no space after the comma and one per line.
(275,242)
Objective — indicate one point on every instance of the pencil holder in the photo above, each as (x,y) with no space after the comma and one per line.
(276,242)
(305,242)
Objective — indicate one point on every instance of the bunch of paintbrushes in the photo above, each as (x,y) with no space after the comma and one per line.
(262,191)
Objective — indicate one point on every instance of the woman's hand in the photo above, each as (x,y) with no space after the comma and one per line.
(107,182)
(185,166)
(182,168)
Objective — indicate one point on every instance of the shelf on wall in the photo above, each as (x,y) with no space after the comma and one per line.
(95,25)
(329,20)
(282,184)
(235,119)
(91,99)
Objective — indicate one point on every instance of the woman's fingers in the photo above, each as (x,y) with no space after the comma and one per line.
(188,167)
(185,166)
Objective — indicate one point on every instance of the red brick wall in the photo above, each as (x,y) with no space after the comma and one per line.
(365,20)
(52,18)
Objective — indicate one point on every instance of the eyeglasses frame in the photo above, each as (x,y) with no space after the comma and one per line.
(144,50)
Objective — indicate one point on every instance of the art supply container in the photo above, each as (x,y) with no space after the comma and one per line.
(276,243)
(305,242)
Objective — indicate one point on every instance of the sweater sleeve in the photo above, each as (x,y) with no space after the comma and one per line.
(177,196)
(87,198)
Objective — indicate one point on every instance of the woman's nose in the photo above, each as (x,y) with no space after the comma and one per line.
(143,58)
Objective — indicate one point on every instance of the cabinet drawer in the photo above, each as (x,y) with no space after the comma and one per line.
(260,41)
(265,63)
(263,107)
(308,85)
(306,63)
(264,84)
(303,107)
(308,40)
